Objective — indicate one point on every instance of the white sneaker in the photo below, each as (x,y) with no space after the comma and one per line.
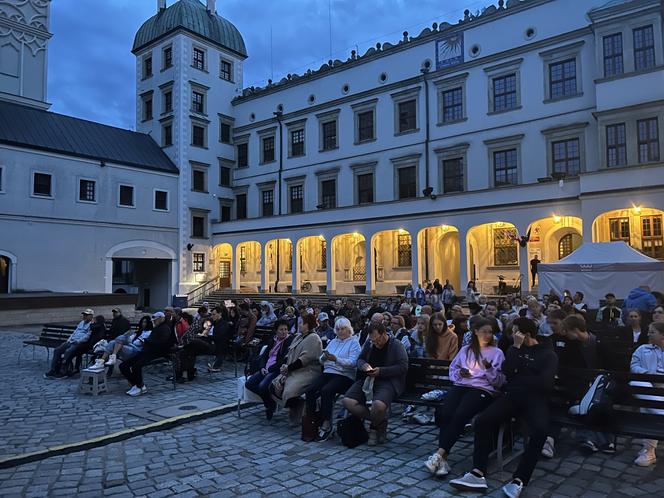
(98,365)
(134,391)
(144,389)
(469,482)
(646,457)
(421,418)
(433,462)
(443,469)
(111,360)
(549,447)
(513,489)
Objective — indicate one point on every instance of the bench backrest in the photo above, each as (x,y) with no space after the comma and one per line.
(425,374)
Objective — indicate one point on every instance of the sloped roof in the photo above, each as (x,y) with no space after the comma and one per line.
(606,252)
(37,129)
(193,16)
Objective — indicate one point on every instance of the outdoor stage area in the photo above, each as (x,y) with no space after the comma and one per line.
(223,455)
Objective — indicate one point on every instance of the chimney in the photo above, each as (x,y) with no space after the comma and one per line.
(211,6)
(161,5)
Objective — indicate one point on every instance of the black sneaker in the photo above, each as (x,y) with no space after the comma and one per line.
(589,446)
(609,448)
(324,434)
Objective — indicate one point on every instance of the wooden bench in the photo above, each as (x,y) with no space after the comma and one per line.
(51,336)
(260,338)
(627,418)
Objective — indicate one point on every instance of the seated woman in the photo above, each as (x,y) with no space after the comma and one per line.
(414,341)
(301,367)
(339,360)
(270,362)
(440,343)
(633,332)
(126,345)
(649,359)
(477,379)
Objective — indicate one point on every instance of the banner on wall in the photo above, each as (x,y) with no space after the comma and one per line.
(449,51)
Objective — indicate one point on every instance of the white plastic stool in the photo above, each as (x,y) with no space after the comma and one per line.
(93,381)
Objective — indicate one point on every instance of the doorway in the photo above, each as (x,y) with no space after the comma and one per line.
(225,274)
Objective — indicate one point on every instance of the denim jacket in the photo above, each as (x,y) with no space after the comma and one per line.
(648,359)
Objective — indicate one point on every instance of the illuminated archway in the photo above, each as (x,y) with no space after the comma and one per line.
(279,265)
(640,227)
(495,254)
(248,265)
(439,254)
(223,263)
(312,264)
(349,263)
(393,259)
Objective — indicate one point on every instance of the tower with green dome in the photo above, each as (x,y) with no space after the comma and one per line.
(188,70)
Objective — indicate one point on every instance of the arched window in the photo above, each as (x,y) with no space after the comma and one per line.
(568,244)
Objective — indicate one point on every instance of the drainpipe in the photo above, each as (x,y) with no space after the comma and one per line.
(428,190)
(279,115)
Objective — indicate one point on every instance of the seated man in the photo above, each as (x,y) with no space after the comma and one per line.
(384,359)
(324,331)
(155,346)
(68,349)
(610,313)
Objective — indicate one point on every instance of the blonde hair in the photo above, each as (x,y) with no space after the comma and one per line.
(342,323)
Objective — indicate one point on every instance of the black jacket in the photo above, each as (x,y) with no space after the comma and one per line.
(119,326)
(530,370)
(160,340)
(281,355)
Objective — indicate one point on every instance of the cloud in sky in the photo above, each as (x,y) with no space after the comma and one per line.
(91,71)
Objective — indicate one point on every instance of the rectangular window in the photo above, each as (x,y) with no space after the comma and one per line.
(225,70)
(505,247)
(225,133)
(297,198)
(644,48)
(224,176)
(329,135)
(168,101)
(161,200)
(86,190)
(243,259)
(365,188)
(198,180)
(198,226)
(407,115)
(323,255)
(267,197)
(123,272)
(613,55)
(242,155)
(452,105)
(167,135)
(652,241)
(566,157)
(197,102)
(198,136)
(42,183)
(225,213)
(328,194)
(297,143)
(268,149)
(147,109)
(198,262)
(648,140)
(126,195)
(168,57)
(365,123)
(453,175)
(562,78)
(404,250)
(616,145)
(505,165)
(407,178)
(619,229)
(241,206)
(504,93)
(199,59)
(147,67)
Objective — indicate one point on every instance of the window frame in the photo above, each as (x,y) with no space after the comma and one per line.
(133,196)
(617,146)
(266,135)
(325,118)
(360,169)
(557,56)
(640,142)
(503,70)
(164,143)
(291,187)
(401,98)
(446,85)
(241,143)
(237,213)
(202,126)
(510,244)
(324,176)
(147,106)
(226,164)
(3,179)
(203,169)
(404,162)
(458,151)
(154,200)
(563,133)
(147,68)
(297,127)
(226,121)
(360,109)
(500,145)
(35,195)
(165,63)
(621,221)
(650,48)
(222,61)
(165,108)
(79,181)
(194,63)
(199,213)
(197,266)
(613,57)
(407,250)
(262,193)
(653,238)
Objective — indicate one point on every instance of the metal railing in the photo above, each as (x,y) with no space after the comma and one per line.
(202,290)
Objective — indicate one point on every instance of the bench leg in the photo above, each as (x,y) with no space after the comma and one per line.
(239,402)
(499,448)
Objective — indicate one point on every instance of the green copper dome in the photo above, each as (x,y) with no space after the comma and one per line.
(192,16)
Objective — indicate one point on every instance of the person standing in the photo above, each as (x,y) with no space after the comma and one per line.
(534,264)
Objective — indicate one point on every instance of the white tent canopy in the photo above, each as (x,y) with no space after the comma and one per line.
(598,268)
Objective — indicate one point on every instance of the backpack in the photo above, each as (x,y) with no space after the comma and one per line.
(352,432)
(310,426)
(596,405)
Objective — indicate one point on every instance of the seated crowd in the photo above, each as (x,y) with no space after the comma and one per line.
(504,358)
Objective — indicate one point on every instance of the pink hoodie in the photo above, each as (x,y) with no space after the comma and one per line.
(487,379)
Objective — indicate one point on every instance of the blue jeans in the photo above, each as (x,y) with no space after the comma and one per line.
(64,353)
(127,351)
(260,384)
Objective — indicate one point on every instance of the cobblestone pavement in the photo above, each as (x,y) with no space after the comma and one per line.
(230,456)
(36,413)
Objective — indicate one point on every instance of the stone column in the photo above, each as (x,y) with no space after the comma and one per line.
(415,260)
(370,264)
(524,270)
(265,273)
(330,263)
(295,268)
(463,261)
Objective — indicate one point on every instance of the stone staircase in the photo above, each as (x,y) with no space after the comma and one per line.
(219,296)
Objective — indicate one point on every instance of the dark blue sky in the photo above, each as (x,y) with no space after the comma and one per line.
(91,67)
